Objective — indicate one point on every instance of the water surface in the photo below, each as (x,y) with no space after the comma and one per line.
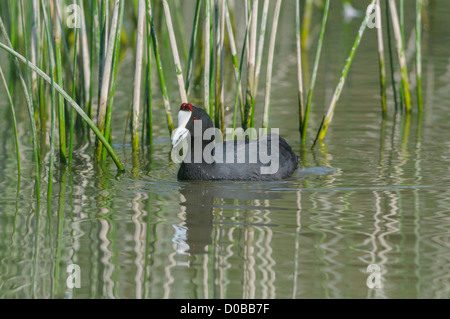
(376,192)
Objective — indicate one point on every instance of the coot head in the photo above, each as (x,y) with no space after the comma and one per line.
(187,115)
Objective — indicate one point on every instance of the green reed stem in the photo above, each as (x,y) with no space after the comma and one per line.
(102,41)
(219,116)
(329,114)
(51,57)
(273,37)
(30,107)
(16,137)
(221,71)
(25,43)
(192,45)
(12,18)
(211,58)
(315,68)
(216,49)
(74,86)
(237,67)
(262,34)
(138,75)
(35,39)
(391,60)
(381,59)
(402,20)
(401,54)
(251,61)
(306,26)
(162,80)
(108,129)
(106,77)
(176,57)
(59,79)
(148,87)
(248,15)
(42,88)
(86,60)
(301,106)
(402,32)
(95,52)
(238,84)
(70,101)
(37,43)
(419,54)
(207,62)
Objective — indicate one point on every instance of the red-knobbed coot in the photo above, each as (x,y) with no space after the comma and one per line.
(267,158)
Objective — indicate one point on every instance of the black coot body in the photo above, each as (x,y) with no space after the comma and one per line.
(223,169)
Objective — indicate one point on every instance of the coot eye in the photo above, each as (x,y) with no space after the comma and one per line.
(195,118)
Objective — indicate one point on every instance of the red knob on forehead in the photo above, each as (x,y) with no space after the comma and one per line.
(186,107)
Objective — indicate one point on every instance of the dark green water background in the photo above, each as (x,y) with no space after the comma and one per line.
(376,192)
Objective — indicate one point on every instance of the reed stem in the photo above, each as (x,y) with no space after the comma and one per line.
(217,66)
(95,52)
(298,41)
(35,12)
(74,104)
(74,86)
(306,26)
(148,88)
(138,75)
(59,79)
(419,54)
(51,57)
(159,67)
(85,58)
(329,114)
(238,81)
(102,40)
(391,60)
(262,34)
(192,46)
(13,113)
(176,57)
(249,103)
(237,68)
(401,54)
(381,58)
(108,128)
(207,62)
(273,37)
(220,57)
(106,77)
(315,68)
(30,107)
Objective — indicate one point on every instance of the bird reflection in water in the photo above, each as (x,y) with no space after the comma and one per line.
(198,200)
(194,234)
